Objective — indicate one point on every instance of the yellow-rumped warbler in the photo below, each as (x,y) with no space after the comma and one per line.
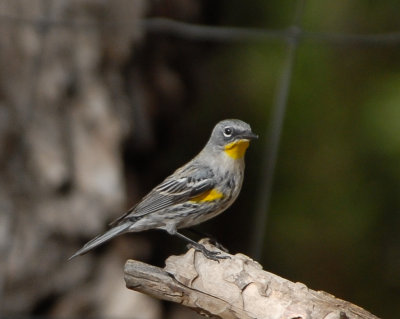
(194,193)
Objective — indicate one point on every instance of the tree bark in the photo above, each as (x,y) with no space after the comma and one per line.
(235,288)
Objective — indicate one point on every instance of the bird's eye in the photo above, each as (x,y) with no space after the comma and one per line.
(228,132)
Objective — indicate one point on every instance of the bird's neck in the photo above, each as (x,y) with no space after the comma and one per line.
(237,149)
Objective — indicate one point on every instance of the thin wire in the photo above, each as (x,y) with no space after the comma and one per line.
(211,33)
(198,32)
(273,140)
(391,38)
(234,34)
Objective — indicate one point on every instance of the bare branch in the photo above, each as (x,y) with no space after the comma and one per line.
(235,288)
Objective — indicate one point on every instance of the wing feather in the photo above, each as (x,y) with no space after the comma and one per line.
(185,183)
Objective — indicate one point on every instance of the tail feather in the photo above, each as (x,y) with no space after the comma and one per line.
(101,239)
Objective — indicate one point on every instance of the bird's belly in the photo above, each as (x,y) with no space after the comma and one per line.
(197,213)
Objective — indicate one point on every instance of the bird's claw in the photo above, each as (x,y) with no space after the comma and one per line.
(217,244)
(212,255)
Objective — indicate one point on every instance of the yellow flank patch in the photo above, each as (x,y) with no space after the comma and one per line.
(237,149)
(208,196)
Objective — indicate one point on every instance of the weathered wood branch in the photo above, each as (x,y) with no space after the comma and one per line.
(235,288)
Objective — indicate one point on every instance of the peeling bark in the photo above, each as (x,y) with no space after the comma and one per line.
(235,288)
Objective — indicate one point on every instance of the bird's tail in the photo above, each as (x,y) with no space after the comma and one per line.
(101,239)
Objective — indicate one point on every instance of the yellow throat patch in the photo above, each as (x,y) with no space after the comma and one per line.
(237,149)
(208,196)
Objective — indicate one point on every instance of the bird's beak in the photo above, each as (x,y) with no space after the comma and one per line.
(249,135)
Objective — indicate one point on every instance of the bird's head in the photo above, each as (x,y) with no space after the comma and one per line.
(232,136)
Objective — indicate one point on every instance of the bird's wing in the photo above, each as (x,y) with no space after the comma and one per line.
(185,183)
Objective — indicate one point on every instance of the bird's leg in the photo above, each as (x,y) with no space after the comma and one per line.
(213,255)
(213,240)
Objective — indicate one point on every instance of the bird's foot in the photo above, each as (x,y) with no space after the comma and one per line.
(212,255)
(210,238)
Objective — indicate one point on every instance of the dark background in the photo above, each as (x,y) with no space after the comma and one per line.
(97,107)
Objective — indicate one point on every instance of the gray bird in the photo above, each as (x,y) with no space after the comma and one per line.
(201,189)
